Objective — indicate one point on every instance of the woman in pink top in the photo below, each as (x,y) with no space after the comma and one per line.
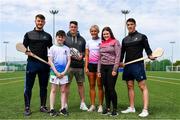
(107,68)
(92,57)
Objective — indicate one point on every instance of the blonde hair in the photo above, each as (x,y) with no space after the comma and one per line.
(94,26)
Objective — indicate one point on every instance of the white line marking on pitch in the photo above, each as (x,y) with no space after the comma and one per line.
(11,78)
(165,78)
(11,82)
(164,82)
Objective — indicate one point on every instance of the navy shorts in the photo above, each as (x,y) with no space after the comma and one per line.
(134,71)
(92,67)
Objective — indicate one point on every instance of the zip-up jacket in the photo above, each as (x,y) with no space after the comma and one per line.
(133,45)
(38,42)
(110,52)
(79,43)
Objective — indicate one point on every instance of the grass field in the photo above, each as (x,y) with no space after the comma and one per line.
(163,87)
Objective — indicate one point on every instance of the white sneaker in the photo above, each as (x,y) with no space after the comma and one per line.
(144,113)
(83,106)
(129,110)
(92,108)
(100,109)
(66,106)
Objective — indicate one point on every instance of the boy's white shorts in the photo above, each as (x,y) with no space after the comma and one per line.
(57,81)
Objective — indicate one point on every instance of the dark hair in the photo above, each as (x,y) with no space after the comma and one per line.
(109,30)
(61,33)
(40,16)
(131,20)
(74,22)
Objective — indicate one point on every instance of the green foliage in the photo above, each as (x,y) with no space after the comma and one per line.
(2,63)
(157,65)
(177,63)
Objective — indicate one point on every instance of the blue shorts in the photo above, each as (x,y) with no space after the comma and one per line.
(134,71)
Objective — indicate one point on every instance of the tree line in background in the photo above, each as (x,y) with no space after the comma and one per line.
(14,66)
(150,66)
(160,65)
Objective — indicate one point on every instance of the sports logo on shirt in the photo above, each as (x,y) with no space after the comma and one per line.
(65,52)
(136,39)
(44,37)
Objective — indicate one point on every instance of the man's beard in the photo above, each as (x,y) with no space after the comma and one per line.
(37,26)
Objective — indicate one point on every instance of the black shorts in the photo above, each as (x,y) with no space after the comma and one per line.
(92,67)
(134,71)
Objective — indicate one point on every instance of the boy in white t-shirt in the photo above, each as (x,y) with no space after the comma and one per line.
(59,60)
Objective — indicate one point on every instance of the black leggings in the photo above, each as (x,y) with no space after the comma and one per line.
(109,83)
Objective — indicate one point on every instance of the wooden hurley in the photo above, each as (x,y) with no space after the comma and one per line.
(156,53)
(20,47)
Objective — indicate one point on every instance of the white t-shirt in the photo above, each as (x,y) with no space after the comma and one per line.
(59,56)
(93,46)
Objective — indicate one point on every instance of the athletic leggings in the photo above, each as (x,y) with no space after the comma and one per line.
(42,70)
(109,83)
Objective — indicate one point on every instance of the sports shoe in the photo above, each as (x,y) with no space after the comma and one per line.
(53,113)
(92,108)
(66,106)
(64,112)
(100,109)
(27,111)
(129,110)
(106,111)
(83,106)
(114,113)
(44,109)
(144,113)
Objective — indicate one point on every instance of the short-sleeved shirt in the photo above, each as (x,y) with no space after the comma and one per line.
(59,56)
(93,46)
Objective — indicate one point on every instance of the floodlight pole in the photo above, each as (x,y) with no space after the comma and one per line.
(54,12)
(125,12)
(6,43)
(172,43)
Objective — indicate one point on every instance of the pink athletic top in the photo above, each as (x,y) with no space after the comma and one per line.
(110,51)
(93,46)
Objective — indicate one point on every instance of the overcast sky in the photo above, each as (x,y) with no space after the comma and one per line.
(158,19)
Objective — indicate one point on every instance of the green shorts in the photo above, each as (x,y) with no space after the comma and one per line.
(78,73)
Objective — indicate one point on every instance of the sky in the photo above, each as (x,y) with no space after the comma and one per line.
(158,19)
